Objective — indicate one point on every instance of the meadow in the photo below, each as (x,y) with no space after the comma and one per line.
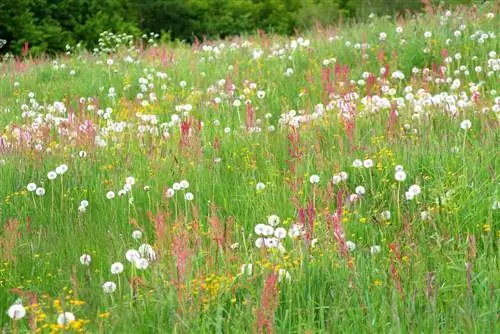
(344,180)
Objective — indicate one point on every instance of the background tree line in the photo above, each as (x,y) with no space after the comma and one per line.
(48,25)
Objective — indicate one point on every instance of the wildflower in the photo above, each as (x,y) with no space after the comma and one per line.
(399,30)
(65,318)
(357,163)
(259,242)
(82,154)
(314,179)
(85,259)
(284,274)
(351,246)
(84,203)
(425,215)
(400,176)
(374,249)
(132,255)
(353,197)
(40,191)
(141,263)
(145,249)
(109,287)
(273,220)
(137,234)
(360,190)
(130,181)
(368,163)
(176,186)
(16,311)
(189,196)
(399,168)
(127,187)
(184,184)
(466,124)
(260,186)
(51,175)
(343,176)
(386,215)
(31,187)
(427,34)
(280,233)
(62,169)
(116,268)
(235,245)
(336,179)
(110,195)
(261,94)
(121,193)
(409,195)
(82,209)
(271,242)
(170,193)
(247,269)
(415,189)
(109,61)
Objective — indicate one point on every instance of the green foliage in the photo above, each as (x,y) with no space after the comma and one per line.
(48,25)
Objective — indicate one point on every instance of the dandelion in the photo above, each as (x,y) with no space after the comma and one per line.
(280,233)
(260,186)
(273,220)
(343,176)
(409,195)
(16,311)
(40,191)
(31,187)
(399,168)
(170,193)
(261,94)
(360,190)
(357,163)
(368,163)
(132,255)
(284,274)
(400,176)
(62,169)
(109,287)
(314,179)
(336,179)
(415,189)
(145,249)
(82,154)
(375,249)
(85,259)
(427,34)
(189,196)
(130,180)
(425,215)
(51,175)
(386,215)
(184,184)
(116,268)
(121,193)
(259,242)
(137,234)
(351,246)
(110,195)
(84,203)
(247,269)
(141,263)
(176,186)
(466,124)
(65,318)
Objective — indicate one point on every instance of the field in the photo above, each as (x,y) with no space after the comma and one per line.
(342,180)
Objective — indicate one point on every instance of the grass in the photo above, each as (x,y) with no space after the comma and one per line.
(436,269)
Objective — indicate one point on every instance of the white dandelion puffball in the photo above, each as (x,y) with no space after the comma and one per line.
(466,124)
(170,193)
(368,163)
(130,180)
(31,187)
(145,249)
(132,255)
(280,233)
(65,318)
(259,242)
(116,268)
(360,190)
(247,269)
(16,312)
(357,163)
(141,263)
(283,274)
(40,191)
(109,287)
(314,179)
(375,249)
(110,195)
(351,246)
(184,184)
(336,179)
(84,203)
(400,176)
(260,186)
(85,259)
(399,168)
(189,196)
(415,189)
(273,220)
(51,175)
(136,234)
(62,169)
(176,186)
